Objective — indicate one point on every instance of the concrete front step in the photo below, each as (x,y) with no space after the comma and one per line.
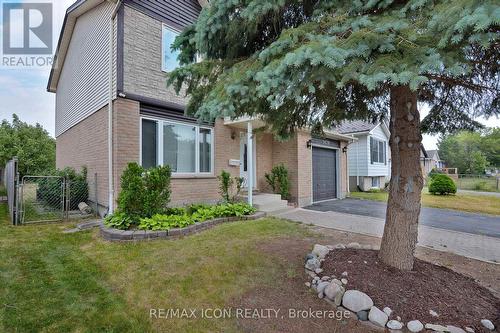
(271,207)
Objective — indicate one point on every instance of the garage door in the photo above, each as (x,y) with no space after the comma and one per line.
(324,174)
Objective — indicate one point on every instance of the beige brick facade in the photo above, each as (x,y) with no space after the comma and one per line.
(142,61)
(86,145)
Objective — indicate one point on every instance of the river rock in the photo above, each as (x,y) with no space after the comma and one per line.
(454,329)
(362,315)
(320,250)
(387,311)
(321,287)
(332,290)
(488,324)
(394,325)
(353,246)
(313,264)
(378,317)
(415,326)
(437,328)
(356,301)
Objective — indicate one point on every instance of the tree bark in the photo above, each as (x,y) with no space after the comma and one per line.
(403,209)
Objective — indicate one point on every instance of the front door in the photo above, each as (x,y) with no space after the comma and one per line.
(324,174)
(244,158)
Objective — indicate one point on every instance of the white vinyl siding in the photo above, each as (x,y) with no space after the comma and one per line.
(83,85)
(359,156)
(379,168)
(356,155)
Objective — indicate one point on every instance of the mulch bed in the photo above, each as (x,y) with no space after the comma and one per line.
(458,299)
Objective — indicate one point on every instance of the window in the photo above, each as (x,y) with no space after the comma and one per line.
(149,139)
(375,182)
(378,151)
(179,147)
(186,148)
(169,57)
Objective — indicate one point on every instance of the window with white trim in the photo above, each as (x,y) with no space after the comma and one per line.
(378,151)
(186,148)
(169,60)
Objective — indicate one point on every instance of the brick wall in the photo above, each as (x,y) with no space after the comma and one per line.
(142,62)
(86,144)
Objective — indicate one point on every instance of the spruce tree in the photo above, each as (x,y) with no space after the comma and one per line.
(316,63)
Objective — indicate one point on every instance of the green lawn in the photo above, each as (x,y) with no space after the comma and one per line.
(462,202)
(3,191)
(55,282)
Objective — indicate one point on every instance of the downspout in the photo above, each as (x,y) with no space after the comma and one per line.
(111,186)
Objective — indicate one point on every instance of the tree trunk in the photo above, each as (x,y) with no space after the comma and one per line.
(403,208)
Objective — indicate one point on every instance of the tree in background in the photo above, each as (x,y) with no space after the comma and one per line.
(490,146)
(34,147)
(314,63)
(471,152)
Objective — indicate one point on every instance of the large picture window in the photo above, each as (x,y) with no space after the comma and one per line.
(186,148)
(378,151)
(169,57)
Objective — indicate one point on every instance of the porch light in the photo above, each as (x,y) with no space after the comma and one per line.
(309,144)
(344,150)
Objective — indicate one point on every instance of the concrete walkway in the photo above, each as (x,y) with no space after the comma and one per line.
(468,245)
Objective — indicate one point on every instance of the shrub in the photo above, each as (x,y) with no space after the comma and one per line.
(165,222)
(442,184)
(119,220)
(144,192)
(279,181)
(195,213)
(226,186)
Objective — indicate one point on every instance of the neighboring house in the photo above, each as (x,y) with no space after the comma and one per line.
(429,160)
(369,156)
(124,58)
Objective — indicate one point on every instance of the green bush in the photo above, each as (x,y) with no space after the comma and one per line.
(279,181)
(195,213)
(226,190)
(144,192)
(119,220)
(442,184)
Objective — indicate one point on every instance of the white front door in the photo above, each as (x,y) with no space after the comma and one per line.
(244,158)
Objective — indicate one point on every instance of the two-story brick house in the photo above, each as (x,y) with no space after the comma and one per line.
(113,107)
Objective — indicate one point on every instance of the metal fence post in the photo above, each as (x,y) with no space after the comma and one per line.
(96,198)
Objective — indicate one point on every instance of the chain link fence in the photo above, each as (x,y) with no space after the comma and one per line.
(482,183)
(43,199)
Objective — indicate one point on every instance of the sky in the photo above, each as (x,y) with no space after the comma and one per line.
(23,91)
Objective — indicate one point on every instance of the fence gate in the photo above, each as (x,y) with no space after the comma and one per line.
(42,199)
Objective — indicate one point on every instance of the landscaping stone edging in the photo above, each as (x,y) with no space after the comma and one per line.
(115,235)
(359,304)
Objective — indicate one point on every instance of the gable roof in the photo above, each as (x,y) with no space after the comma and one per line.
(355,126)
(433,154)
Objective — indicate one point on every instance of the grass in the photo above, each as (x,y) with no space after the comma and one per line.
(55,282)
(461,202)
(3,191)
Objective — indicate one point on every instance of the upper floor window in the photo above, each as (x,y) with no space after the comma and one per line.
(169,57)
(378,151)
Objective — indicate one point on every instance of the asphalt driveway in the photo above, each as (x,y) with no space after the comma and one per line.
(478,224)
